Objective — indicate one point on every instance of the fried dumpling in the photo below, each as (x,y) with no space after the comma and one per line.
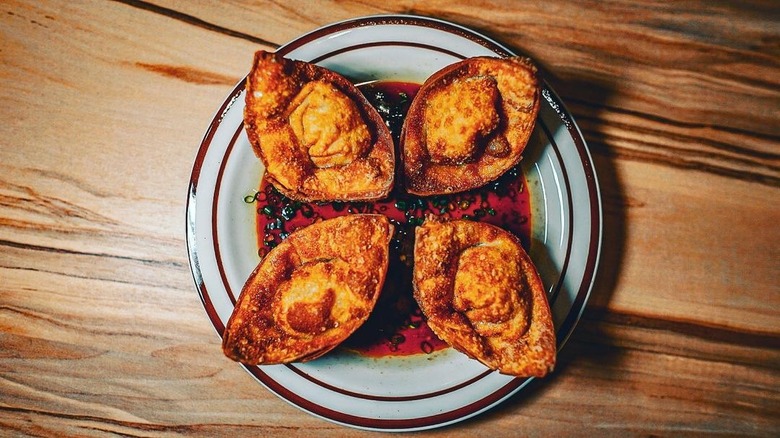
(468,124)
(310,292)
(318,136)
(481,293)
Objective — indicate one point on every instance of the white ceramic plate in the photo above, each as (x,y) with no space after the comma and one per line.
(394,393)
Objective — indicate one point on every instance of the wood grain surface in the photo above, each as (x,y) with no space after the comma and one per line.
(104,104)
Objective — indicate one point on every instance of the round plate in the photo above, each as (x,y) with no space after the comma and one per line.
(411,392)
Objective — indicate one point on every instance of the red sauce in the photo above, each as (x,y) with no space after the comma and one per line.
(397,326)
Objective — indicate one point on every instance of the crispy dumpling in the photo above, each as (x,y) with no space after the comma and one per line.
(481,293)
(468,124)
(318,136)
(310,292)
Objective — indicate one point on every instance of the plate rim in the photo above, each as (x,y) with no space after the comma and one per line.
(506,391)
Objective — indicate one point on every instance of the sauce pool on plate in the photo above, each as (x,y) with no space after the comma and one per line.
(397,326)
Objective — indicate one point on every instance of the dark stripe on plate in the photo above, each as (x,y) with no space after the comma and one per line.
(594,198)
(452,416)
(421,396)
(192,248)
(220,174)
(557,289)
(385,43)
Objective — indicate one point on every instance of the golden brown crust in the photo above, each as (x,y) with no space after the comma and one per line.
(310,292)
(468,124)
(317,135)
(482,295)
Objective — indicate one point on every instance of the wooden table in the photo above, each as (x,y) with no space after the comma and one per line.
(104,105)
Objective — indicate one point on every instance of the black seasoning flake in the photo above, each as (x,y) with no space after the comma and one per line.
(275,224)
(307,211)
(288,212)
(397,339)
(268,210)
(439,201)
